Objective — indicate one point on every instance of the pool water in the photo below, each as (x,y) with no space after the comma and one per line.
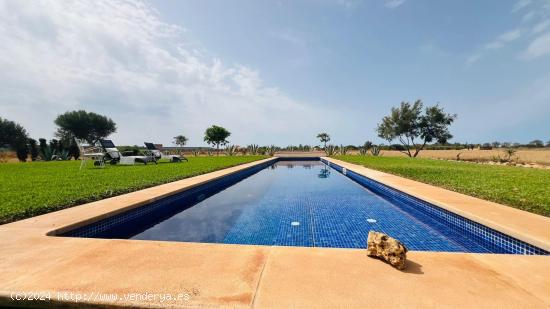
(297,203)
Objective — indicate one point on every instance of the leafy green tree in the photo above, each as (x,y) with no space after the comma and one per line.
(84,125)
(180,140)
(13,135)
(407,124)
(216,136)
(324,138)
(536,143)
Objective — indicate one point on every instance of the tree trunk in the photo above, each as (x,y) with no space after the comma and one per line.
(419,149)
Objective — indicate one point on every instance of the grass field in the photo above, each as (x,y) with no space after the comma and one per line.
(523,188)
(29,189)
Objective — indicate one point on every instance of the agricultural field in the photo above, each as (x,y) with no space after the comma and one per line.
(522,188)
(530,156)
(33,188)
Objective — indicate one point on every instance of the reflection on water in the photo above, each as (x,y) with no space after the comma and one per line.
(212,218)
(324,172)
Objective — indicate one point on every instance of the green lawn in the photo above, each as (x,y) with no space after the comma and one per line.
(30,189)
(523,188)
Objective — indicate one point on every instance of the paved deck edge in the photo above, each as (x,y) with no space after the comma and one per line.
(503,227)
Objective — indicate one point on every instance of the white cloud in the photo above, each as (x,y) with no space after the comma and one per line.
(119,58)
(539,46)
(473,59)
(392,4)
(540,27)
(290,37)
(540,34)
(529,16)
(520,5)
(349,4)
(503,39)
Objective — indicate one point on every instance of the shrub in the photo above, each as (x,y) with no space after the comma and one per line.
(343,150)
(262,150)
(330,150)
(22,152)
(510,152)
(231,150)
(46,153)
(14,136)
(397,147)
(271,150)
(53,150)
(375,151)
(33,147)
(253,149)
(486,146)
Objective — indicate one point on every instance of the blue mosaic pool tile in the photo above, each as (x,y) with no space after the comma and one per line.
(489,240)
(303,204)
(165,206)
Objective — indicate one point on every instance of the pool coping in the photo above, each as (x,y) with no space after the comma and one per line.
(251,276)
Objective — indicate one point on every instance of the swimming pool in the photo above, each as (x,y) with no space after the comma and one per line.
(310,203)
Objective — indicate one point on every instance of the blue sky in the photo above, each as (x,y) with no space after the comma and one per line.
(278,71)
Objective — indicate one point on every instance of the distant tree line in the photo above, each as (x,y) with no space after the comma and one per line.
(80,124)
(414,127)
(90,127)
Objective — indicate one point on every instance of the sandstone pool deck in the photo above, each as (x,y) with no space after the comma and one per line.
(204,275)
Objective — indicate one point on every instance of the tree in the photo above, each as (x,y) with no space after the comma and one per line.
(324,138)
(13,135)
(216,136)
(368,145)
(536,143)
(180,140)
(84,125)
(548,144)
(407,123)
(33,147)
